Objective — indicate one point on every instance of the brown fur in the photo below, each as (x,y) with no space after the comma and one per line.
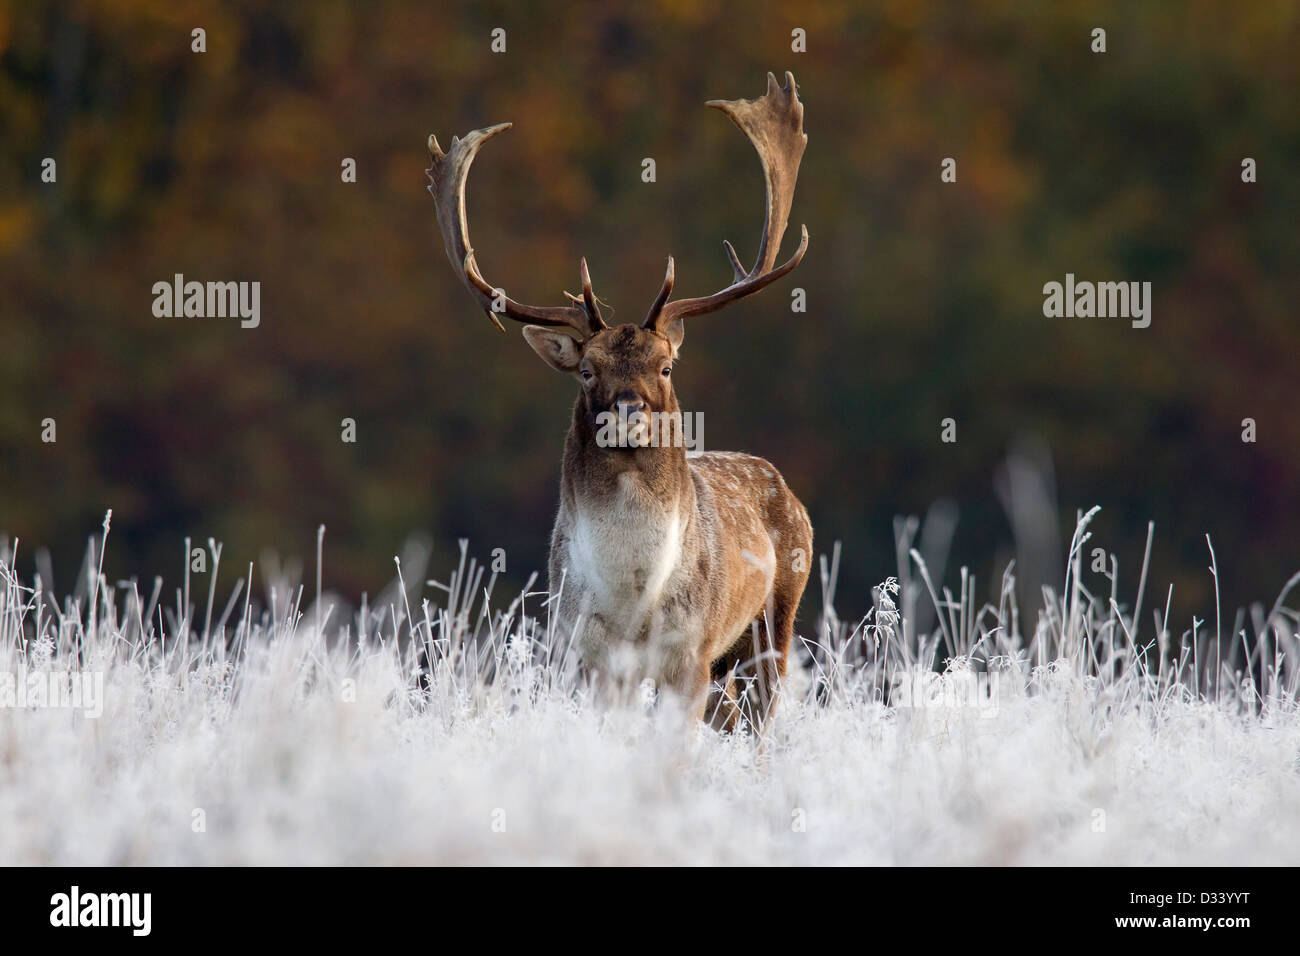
(674,568)
(680,569)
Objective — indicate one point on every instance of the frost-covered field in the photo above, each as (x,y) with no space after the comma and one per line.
(265,743)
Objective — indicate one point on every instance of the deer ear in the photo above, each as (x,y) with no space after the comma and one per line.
(675,331)
(558,350)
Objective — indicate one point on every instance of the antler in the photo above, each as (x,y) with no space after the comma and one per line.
(774,124)
(447,175)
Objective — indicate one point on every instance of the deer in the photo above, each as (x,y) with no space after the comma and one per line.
(686,570)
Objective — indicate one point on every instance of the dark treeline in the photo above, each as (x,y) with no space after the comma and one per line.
(924,298)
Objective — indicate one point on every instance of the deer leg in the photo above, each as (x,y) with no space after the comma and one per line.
(735,696)
(724,707)
(772,674)
(688,677)
(774,632)
(774,627)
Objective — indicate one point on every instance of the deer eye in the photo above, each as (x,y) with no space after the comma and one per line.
(666,372)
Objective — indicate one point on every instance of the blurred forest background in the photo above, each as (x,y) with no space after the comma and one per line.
(925,298)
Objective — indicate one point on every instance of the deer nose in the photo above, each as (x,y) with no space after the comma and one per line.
(629,403)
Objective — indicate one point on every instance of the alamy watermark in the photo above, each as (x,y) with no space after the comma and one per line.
(208,300)
(53,690)
(622,429)
(133,911)
(954,690)
(1084,300)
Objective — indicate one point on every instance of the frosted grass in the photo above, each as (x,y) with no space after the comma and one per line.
(438,726)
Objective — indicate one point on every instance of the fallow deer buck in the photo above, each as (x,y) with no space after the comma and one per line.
(686,570)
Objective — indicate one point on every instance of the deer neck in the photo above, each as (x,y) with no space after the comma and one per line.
(650,479)
(626,517)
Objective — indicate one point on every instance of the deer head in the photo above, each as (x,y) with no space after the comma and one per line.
(631,365)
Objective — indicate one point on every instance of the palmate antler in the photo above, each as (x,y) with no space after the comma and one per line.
(774,124)
(447,175)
